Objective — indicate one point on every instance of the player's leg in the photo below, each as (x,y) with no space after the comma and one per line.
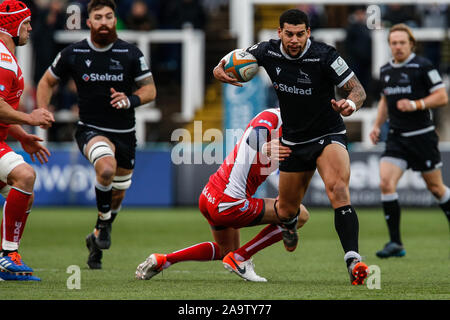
(18,191)
(226,239)
(292,188)
(441,192)
(121,183)
(391,170)
(333,166)
(100,152)
(270,234)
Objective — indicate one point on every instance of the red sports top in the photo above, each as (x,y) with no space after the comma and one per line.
(11,83)
(245,169)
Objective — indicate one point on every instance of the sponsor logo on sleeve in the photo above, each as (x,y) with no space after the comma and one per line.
(339,66)
(434,76)
(144,66)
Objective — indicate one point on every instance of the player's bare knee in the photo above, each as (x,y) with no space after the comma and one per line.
(287,211)
(337,191)
(23,177)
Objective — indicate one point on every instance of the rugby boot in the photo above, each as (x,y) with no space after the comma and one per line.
(391,249)
(151,266)
(358,272)
(244,269)
(95,254)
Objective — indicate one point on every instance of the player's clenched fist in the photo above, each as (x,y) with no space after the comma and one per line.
(344,107)
(41,117)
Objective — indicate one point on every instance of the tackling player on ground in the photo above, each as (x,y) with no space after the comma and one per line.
(16,176)
(112,78)
(227,203)
(411,87)
(304,74)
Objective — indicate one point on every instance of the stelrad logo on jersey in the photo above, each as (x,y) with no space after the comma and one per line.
(292,89)
(102,77)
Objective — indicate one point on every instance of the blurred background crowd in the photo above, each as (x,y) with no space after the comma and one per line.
(212,17)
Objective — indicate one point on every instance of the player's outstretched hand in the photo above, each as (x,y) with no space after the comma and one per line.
(30,143)
(275,151)
(119,100)
(41,117)
(343,107)
(220,74)
(374,135)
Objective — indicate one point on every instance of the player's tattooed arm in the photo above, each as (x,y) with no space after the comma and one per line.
(353,90)
(146,89)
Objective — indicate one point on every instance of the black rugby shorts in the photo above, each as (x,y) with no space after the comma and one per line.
(304,156)
(420,152)
(125,143)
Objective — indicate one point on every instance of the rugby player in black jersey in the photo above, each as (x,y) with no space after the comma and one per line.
(304,74)
(411,87)
(112,78)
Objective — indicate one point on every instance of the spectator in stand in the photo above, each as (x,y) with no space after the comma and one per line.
(358,45)
(140,17)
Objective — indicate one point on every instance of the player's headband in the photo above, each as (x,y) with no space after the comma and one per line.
(12,14)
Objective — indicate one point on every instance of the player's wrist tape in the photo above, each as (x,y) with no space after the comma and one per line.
(352,105)
(133,101)
(418,104)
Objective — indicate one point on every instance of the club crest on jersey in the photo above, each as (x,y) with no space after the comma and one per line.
(115,65)
(88,62)
(2,87)
(404,78)
(303,78)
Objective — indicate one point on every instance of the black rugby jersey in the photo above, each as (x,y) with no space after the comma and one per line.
(305,87)
(413,79)
(95,71)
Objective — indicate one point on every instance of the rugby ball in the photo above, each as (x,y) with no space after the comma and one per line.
(241,65)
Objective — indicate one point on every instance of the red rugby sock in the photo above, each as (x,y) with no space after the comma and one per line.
(266,237)
(14,216)
(205,251)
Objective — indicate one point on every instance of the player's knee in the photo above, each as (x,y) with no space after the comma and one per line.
(337,191)
(387,186)
(105,174)
(437,190)
(286,210)
(24,177)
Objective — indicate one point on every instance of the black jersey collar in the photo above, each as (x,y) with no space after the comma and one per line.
(308,44)
(93,47)
(401,64)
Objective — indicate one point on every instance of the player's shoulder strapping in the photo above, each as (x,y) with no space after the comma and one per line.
(7,61)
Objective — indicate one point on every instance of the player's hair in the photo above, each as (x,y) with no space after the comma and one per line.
(294,16)
(403,27)
(98,4)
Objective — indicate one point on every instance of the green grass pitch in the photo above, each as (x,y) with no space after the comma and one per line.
(54,240)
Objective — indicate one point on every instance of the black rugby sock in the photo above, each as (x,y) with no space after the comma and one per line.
(104,197)
(392,215)
(347,227)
